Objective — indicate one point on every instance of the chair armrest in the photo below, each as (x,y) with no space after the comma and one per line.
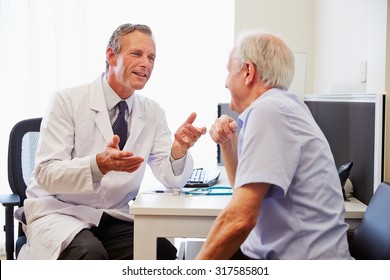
(9,201)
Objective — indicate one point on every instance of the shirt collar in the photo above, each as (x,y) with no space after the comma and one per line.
(112,98)
(242,117)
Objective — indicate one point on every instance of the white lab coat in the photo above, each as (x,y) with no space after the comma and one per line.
(63,199)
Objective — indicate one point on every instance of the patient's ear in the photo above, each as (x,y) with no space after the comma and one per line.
(250,72)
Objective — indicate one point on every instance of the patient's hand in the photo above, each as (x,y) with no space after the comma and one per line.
(223,130)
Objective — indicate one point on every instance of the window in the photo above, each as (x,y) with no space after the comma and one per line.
(49,45)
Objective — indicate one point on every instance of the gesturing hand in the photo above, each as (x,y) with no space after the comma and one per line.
(186,136)
(114,159)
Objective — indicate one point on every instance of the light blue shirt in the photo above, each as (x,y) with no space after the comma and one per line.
(302,215)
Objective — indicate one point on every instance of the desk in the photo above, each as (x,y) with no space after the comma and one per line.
(167,215)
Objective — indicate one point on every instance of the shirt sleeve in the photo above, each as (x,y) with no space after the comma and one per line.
(268,149)
(178,165)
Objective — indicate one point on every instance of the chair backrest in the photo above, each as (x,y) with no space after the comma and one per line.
(22,146)
(371,239)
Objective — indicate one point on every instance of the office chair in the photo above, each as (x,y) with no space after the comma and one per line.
(371,239)
(22,145)
(343,175)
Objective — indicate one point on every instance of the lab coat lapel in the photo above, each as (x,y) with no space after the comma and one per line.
(98,104)
(138,118)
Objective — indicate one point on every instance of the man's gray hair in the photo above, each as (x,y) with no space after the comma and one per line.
(273,59)
(122,30)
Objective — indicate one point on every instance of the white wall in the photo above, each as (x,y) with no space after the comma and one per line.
(49,45)
(348,32)
(335,36)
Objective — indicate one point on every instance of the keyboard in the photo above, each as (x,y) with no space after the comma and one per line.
(202,178)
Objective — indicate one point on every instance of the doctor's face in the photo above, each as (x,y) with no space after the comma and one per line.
(132,67)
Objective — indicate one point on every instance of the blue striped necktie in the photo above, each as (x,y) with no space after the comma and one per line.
(120,125)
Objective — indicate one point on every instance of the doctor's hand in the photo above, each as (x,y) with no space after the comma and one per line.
(186,136)
(224,130)
(113,159)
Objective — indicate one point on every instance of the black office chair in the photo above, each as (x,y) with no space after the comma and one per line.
(371,239)
(22,145)
(343,175)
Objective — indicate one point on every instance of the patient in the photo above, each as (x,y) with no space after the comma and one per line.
(287,202)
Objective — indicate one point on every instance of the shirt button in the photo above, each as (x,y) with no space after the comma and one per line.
(105,200)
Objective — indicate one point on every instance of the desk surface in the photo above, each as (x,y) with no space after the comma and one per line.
(169,204)
(354,209)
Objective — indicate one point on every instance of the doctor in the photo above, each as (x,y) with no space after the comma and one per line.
(77,204)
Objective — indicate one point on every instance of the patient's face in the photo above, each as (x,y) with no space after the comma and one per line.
(235,82)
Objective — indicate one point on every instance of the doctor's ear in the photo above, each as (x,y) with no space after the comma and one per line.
(110,57)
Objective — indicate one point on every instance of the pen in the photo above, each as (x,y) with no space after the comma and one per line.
(174,191)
